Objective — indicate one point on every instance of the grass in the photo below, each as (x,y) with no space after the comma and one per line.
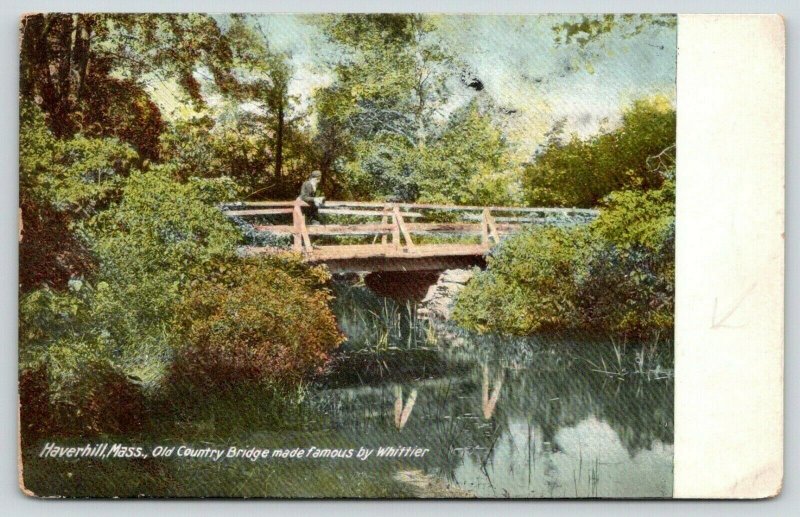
(375,323)
(622,360)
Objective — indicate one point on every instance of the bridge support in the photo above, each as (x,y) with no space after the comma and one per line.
(411,263)
(403,286)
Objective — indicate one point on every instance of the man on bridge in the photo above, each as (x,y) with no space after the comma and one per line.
(307,192)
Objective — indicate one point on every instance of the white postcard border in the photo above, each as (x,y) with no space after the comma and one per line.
(729,256)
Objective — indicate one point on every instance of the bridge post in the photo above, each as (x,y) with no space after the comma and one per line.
(398,217)
(488,228)
(490,224)
(385,220)
(296,215)
(395,229)
(485,228)
(301,238)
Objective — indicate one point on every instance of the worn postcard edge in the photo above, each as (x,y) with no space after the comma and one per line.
(729,256)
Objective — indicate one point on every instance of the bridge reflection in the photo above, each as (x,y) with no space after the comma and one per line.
(401,411)
(489,403)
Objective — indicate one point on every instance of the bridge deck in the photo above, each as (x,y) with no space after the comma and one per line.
(360,251)
(393,247)
(377,257)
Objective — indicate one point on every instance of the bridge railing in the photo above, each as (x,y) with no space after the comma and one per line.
(398,222)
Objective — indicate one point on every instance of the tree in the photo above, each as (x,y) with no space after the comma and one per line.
(88,72)
(380,112)
(470,163)
(254,131)
(575,172)
(590,29)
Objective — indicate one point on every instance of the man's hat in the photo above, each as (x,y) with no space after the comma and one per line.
(316,174)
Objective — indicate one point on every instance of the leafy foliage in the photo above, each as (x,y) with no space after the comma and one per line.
(529,284)
(593,28)
(470,163)
(62,182)
(618,275)
(69,380)
(580,173)
(164,251)
(150,246)
(80,175)
(101,400)
(89,72)
(631,218)
(379,113)
(263,321)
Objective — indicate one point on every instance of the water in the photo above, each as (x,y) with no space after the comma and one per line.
(538,417)
(555,416)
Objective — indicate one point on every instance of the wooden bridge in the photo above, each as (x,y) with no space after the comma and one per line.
(399,234)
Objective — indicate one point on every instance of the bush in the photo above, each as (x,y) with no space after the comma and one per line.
(80,346)
(630,290)
(100,400)
(631,218)
(631,275)
(617,275)
(162,236)
(260,321)
(530,284)
(70,383)
(62,182)
(79,176)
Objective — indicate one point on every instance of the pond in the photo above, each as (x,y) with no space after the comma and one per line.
(447,414)
(557,416)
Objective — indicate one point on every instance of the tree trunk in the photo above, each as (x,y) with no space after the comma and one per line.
(36,76)
(279,141)
(80,54)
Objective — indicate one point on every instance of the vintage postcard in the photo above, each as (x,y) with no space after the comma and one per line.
(399,255)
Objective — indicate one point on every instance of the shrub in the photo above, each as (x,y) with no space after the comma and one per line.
(79,175)
(69,381)
(259,321)
(630,290)
(631,276)
(99,400)
(162,236)
(569,171)
(530,284)
(617,275)
(62,182)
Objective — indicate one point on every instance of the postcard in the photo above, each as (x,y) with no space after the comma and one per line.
(401,255)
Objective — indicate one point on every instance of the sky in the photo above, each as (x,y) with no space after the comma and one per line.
(522,68)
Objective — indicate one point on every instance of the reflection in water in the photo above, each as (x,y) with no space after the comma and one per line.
(526,418)
(540,432)
(488,403)
(401,413)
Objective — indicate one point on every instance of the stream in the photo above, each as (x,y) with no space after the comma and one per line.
(556,416)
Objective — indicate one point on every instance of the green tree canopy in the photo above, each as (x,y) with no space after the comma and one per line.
(579,173)
(379,114)
(470,163)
